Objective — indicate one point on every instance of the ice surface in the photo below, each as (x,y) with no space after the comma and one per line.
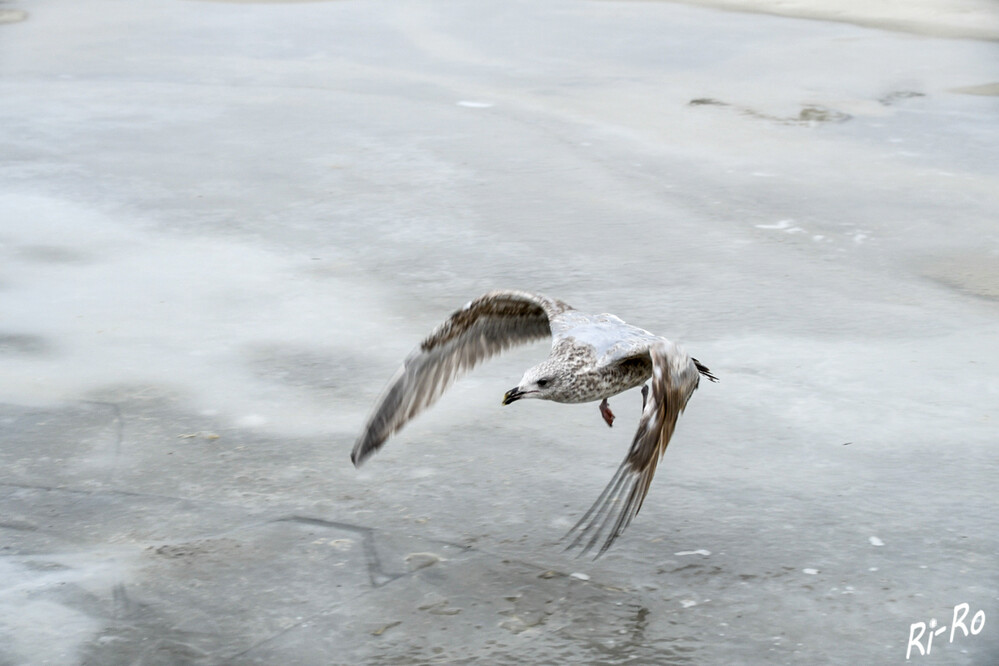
(223,225)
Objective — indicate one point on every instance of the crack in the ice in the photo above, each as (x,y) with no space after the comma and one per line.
(376,571)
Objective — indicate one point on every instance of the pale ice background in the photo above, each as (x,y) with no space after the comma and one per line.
(222,225)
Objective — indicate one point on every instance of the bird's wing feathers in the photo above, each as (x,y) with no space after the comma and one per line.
(484,327)
(674,378)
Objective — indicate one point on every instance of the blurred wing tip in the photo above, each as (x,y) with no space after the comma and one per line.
(603,521)
(363,449)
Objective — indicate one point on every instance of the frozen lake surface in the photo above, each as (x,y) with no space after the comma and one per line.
(223,225)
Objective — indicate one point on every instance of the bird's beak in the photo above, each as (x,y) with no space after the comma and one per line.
(513,395)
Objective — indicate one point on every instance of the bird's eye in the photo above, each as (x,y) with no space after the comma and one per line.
(542,383)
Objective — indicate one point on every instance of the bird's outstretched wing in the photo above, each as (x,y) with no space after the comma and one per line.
(674,377)
(481,329)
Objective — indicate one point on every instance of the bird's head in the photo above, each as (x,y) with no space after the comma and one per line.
(542,381)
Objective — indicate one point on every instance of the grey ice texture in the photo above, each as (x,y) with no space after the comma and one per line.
(223,224)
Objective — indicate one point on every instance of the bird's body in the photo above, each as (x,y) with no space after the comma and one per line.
(597,356)
(593,357)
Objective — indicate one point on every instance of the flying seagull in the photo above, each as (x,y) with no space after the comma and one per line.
(593,357)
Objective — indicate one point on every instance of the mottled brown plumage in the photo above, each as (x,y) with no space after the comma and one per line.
(593,357)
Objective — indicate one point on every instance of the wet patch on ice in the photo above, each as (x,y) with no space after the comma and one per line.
(329,371)
(989,89)
(974,273)
(14,344)
(810,114)
(76,445)
(52,254)
(12,15)
(897,96)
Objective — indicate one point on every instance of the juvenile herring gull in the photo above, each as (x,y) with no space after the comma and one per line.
(593,357)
